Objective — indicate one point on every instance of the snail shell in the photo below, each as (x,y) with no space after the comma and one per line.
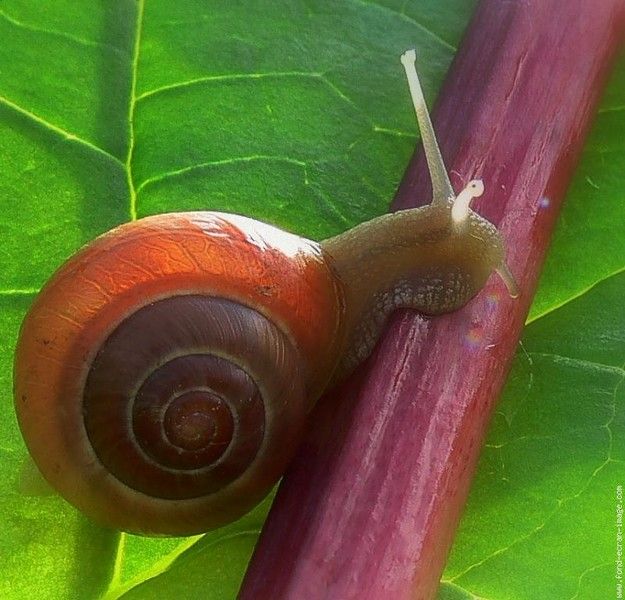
(164,374)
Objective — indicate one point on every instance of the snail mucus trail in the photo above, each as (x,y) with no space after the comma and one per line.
(164,374)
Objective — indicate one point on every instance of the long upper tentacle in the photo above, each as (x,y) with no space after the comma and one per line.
(441,186)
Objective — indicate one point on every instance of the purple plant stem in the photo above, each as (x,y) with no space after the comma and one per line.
(370,506)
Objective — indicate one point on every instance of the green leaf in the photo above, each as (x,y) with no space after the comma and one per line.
(46,546)
(588,244)
(296,113)
(183,573)
(541,518)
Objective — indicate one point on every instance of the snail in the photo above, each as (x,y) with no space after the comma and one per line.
(164,374)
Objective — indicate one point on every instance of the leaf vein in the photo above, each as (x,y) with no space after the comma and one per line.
(19,292)
(226,77)
(404,17)
(579,362)
(61,34)
(503,549)
(218,163)
(66,135)
(586,572)
(575,295)
(609,109)
(132,102)
(451,584)
(333,208)
(117,590)
(395,132)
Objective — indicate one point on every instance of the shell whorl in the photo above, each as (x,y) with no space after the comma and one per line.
(185,394)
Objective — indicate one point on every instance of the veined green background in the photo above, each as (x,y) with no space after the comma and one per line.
(297,113)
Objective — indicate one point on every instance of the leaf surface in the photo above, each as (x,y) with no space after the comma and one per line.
(296,113)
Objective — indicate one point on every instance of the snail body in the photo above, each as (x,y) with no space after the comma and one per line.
(164,374)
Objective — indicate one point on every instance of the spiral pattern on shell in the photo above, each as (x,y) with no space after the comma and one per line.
(164,374)
(184,395)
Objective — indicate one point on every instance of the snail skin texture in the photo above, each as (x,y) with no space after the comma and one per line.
(164,374)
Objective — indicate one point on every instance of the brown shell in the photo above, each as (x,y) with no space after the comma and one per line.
(278,275)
